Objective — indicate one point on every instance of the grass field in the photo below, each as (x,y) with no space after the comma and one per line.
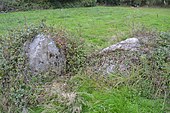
(96,24)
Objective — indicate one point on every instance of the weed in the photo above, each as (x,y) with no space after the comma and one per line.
(20,88)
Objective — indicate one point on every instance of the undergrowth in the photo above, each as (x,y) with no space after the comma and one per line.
(144,89)
(20,88)
(103,97)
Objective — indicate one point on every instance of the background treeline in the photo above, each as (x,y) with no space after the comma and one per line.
(14,5)
(135,2)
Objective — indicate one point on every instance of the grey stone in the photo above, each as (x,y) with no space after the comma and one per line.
(117,58)
(131,44)
(44,55)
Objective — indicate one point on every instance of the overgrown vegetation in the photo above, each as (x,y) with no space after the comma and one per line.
(145,88)
(20,88)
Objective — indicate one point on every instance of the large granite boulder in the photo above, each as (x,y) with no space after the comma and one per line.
(44,55)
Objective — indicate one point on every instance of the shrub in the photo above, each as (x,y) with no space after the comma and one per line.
(135,2)
(43,4)
(73,49)
(149,71)
(17,87)
(24,5)
(88,3)
(20,89)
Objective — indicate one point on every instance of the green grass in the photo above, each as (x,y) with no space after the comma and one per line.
(96,25)
(100,98)
(122,101)
(104,99)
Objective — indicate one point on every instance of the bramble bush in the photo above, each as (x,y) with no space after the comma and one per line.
(20,88)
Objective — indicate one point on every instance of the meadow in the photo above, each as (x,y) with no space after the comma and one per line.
(100,27)
(97,25)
